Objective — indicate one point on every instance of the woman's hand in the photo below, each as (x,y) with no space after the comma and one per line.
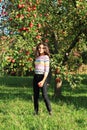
(40,84)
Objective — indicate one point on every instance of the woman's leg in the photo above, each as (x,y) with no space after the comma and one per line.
(45,96)
(36,94)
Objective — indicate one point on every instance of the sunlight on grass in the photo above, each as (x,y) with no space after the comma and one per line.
(16,110)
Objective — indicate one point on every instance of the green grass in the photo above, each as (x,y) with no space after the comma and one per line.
(16,107)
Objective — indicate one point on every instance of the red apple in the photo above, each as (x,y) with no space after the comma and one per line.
(22,16)
(31,25)
(35,15)
(38,37)
(57,71)
(19,6)
(29,9)
(59,2)
(58,80)
(10,19)
(46,40)
(23,5)
(27,52)
(13,60)
(34,7)
(39,25)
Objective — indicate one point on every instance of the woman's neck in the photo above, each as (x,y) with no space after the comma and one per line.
(41,54)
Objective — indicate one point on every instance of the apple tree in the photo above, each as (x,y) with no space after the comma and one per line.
(26,23)
(62,24)
(67,25)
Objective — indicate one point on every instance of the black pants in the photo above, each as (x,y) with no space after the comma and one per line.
(36,89)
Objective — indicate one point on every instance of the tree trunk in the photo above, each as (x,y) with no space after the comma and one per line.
(58,89)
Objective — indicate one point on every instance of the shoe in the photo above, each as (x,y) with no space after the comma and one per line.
(35,113)
(50,113)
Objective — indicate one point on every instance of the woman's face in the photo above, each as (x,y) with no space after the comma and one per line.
(41,49)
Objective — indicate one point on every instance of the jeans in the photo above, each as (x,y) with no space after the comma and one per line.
(36,89)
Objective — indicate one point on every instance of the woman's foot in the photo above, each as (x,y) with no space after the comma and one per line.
(35,113)
(50,113)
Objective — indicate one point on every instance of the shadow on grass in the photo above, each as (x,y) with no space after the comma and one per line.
(12,87)
(21,87)
(77,101)
(16,81)
(7,96)
(14,93)
(82,89)
(76,97)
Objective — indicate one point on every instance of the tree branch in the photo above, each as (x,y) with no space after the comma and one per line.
(70,48)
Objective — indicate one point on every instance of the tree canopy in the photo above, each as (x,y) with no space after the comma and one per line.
(61,24)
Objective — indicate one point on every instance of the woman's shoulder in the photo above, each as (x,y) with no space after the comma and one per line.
(46,57)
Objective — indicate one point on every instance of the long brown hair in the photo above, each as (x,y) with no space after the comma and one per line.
(46,49)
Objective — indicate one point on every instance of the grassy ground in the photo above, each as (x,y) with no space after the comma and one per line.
(16,107)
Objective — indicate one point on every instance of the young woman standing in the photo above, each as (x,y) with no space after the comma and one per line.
(42,65)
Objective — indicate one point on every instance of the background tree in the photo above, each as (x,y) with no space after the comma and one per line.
(59,23)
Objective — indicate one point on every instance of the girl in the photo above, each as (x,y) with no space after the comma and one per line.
(40,77)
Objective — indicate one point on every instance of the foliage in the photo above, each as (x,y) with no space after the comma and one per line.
(84,55)
(26,23)
(61,24)
(62,73)
(27,19)
(17,58)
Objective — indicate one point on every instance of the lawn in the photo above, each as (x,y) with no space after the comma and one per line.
(16,106)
